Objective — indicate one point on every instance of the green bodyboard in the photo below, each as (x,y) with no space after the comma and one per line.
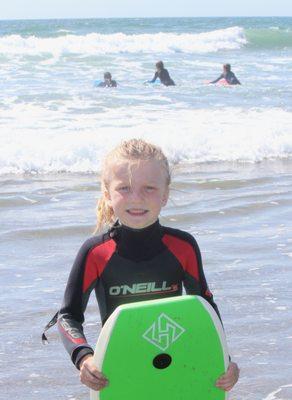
(169,349)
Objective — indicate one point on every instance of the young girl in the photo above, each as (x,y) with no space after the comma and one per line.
(108,81)
(228,76)
(162,74)
(135,249)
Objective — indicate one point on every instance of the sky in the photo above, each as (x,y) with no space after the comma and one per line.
(43,9)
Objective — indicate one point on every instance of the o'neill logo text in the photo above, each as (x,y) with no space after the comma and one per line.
(141,288)
(163,332)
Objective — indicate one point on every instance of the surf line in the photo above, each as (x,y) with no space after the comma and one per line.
(271,396)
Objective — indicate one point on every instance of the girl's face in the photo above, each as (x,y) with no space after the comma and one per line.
(137,192)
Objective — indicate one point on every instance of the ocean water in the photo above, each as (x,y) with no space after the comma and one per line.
(230,150)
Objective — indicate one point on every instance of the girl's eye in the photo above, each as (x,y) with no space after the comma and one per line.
(124,189)
(150,189)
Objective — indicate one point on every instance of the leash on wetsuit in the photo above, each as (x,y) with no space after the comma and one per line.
(48,326)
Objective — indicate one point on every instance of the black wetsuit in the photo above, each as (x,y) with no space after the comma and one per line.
(164,77)
(126,265)
(111,83)
(230,78)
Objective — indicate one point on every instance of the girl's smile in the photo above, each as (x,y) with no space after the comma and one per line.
(137,212)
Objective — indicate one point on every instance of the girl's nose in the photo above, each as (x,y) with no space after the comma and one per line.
(136,195)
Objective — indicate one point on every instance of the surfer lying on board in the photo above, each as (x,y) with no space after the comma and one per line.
(228,76)
(163,75)
(108,81)
(135,259)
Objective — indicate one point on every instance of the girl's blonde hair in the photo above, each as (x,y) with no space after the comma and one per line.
(130,150)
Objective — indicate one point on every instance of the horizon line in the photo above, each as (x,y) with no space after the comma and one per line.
(165,17)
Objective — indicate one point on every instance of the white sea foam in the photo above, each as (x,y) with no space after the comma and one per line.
(37,140)
(95,43)
(272,395)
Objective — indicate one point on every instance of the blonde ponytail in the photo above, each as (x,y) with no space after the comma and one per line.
(104,213)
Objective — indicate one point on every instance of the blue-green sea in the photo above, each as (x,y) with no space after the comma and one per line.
(54,119)
(230,150)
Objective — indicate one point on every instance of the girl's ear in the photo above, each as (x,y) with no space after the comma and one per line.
(165,197)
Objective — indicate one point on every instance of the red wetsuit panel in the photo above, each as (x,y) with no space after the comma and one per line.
(96,261)
(184,252)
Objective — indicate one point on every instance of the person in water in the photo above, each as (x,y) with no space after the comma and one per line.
(163,75)
(108,81)
(228,75)
(135,181)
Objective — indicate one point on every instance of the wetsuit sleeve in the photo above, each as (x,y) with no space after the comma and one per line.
(154,77)
(194,280)
(71,314)
(235,81)
(218,79)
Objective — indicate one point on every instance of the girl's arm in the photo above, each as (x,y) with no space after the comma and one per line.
(230,377)
(194,280)
(154,77)
(82,279)
(218,79)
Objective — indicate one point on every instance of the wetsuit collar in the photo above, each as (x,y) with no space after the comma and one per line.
(138,244)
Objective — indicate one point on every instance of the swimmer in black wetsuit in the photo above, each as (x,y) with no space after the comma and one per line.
(108,81)
(163,75)
(228,75)
(136,259)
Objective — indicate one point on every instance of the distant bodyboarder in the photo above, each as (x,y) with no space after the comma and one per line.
(162,74)
(108,81)
(228,76)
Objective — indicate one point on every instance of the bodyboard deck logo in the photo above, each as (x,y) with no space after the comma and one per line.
(163,332)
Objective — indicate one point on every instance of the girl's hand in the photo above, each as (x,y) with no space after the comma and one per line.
(90,375)
(229,379)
